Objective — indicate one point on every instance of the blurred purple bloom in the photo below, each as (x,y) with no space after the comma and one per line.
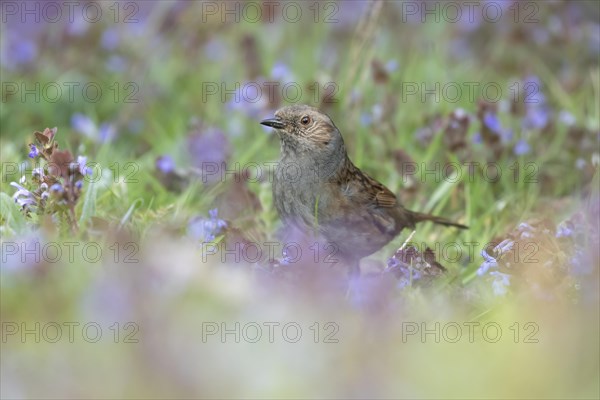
(110,39)
(23,197)
(365,119)
(503,247)
(377,111)
(582,262)
(38,173)
(492,122)
(567,118)
(393,262)
(22,259)
(536,116)
(500,283)
(205,230)
(490,262)
(116,63)
(17,51)
(521,148)
(165,164)
(83,168)
(477,137)
(532,86)
(56,189)
(281,72)
(563,230)
(79,26)
(391,65)
(34,152)
(208,149)
(249,99)
(285,260)
(349,14)
(526,230)
(537,113)
(84,125)
(24,52)
(580,163)
(107,132)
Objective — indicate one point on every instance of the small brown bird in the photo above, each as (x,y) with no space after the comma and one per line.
(317,188)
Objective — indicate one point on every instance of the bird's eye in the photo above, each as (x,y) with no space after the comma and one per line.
(305,120)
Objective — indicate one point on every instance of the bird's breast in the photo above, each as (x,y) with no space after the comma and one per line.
(296,188)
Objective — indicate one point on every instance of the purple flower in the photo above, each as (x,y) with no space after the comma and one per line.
(165,164)
(527,231)
(393,262)
(536,116)
(533,91)
(18,51)
(281,72)
(208,148)
(205,230)
(79,26)
(492,122)
(490,262)
(23,197)
(84,125)
(56,189)
(106,132)
(37,173)
(110,39)
(567,118)
(537,113)
(286,259)
(521,148)
(365,119)
(82,164)
(22,259)
(504,247)
(391,65)
(377,111)
(249,99)
(34,152)
(500,283)
(563,230)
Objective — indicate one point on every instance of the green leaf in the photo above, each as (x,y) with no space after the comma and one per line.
(89,204)
(9,211)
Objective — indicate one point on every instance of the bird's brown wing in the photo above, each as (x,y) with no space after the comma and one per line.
(376,201)
(359,214)
(372,192)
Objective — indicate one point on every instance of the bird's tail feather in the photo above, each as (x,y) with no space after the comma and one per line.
(419,217)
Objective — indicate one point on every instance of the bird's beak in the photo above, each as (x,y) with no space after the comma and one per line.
(276,123)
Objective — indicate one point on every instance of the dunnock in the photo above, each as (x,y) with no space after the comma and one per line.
(317,188)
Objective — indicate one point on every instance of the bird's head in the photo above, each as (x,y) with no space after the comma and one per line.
(304,127)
